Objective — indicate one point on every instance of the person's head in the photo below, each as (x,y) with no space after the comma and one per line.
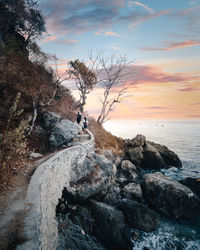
(78,112)
(84,118)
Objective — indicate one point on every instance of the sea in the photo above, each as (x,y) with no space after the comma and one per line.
(182,137)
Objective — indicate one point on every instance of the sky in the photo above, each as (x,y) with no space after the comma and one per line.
(161,38)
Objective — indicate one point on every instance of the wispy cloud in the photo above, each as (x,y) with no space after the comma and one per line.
(67,41)
(48,39)
(196,103)
(150,10)
(189,89)
(156,107)
(137,18)
(106,33)
(173,45)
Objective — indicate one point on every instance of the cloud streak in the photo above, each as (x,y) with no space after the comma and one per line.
(106,33)
(150,10)
(173,45)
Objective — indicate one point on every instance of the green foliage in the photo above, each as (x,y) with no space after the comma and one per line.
(20,21)
(86,78)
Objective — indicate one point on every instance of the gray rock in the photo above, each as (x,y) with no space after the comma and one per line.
(117,161)
(133,191)
(35,155)
(152,158)
(127,166)
(113,195)
(135,154)
(193,184)
(138,215)
(72,236)
(137,141)
(170,158)
(110,225)
(63,133)
(49,120)
(170,197)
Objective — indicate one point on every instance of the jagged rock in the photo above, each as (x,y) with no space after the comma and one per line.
(49,120)
(89,185)
(63,133)
(84,219)
(135,154)
(112,195)
(138,215)
(117,161)
(127,166)
(100,175)
(152,158)
(108,154)
(193,184)
(170,197)
(137,141)
(170,158)
(122,180)
(110,225)
(72,236)
(133,191)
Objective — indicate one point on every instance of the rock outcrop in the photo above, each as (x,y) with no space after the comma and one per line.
(193,184)
(63,133)
(170,197)
(138,215)
(110,225)
(150,155)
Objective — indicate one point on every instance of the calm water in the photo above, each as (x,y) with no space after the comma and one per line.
(183,137)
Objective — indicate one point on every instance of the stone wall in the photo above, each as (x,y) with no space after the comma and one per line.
(45,188)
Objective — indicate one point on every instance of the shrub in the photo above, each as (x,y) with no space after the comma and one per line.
(13,145)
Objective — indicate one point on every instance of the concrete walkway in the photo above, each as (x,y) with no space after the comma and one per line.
(13,207)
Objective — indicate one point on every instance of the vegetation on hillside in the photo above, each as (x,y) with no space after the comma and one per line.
(105,140)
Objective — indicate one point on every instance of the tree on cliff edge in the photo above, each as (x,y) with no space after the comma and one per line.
(112,74)
(85,80)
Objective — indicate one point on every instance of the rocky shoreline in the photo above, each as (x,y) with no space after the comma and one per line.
(115,201)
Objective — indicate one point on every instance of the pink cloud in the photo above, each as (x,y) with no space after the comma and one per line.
(48,39)
(188,89)
(173,45)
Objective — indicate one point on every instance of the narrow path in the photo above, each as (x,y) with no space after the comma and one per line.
(12,202)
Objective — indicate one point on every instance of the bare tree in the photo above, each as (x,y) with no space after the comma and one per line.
(85,80)
(112,72)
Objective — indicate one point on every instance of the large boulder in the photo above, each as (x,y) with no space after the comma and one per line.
(135,154)
(152,158)
(133,191)
(170,197)
(138,215)
(137,141)
(72,236)
(134,149)
(110,225)
(63,133)
(49,120)
(193,184)
(170,158)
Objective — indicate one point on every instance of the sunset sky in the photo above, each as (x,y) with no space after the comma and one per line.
(162,38)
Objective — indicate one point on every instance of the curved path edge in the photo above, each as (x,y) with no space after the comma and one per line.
(46,185)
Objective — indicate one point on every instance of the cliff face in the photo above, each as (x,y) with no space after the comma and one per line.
(100,197)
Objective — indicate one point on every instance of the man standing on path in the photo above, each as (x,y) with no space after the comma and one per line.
(78,119)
